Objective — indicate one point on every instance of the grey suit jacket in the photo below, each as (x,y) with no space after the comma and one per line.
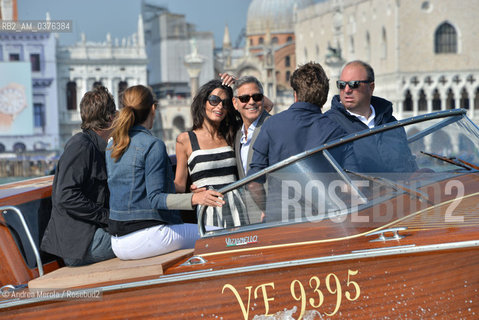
(256,131)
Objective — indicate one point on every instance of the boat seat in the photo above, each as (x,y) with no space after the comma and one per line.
(107,271)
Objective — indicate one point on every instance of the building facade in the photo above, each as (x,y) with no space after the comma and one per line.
(115,64)
(37,50)
(423,52)
(269,53)
(169,39)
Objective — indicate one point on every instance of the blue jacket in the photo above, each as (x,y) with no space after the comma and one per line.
(351,124)
(141,180)
(384,152)
(302,127)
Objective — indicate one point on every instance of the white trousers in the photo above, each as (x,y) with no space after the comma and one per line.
(154,241)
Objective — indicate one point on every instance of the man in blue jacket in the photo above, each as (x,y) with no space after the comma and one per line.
(302,127)
(356,109)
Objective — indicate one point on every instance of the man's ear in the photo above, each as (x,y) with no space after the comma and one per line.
(235,102)
(295,96)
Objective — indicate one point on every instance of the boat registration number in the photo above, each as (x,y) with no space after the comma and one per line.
(311,293)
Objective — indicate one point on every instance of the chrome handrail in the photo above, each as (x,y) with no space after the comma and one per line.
(29,235)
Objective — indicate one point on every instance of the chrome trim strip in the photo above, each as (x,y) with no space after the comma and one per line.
(380,252)
(29,235)
(384,249)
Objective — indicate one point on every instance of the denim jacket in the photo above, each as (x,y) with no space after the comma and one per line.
(141,180)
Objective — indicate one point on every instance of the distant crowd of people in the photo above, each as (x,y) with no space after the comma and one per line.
(115,192)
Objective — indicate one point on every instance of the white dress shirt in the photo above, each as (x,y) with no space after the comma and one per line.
(246,143)
(369,121)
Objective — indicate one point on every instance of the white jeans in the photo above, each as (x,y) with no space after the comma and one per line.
(154,241)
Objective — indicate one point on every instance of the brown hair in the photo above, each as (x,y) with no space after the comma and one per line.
(311,84)
(137,102)
(97,109)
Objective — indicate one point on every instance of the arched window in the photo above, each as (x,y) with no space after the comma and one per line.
(436,100)
(290,38)
(288,75)
(368,47)
(274,40)
(179,123)
(450,101)
(445,39)
(464,101)
(408,101)
(71,95)
(422,102)
(122,85)
(251,42)
(260,40)
(287,61)
(19,147)
(384,45)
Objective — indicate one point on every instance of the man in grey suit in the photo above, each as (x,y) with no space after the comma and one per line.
(252,105)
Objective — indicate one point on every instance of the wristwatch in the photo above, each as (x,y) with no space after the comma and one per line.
(13,100)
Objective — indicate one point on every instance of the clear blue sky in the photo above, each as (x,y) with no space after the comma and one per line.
(119,17)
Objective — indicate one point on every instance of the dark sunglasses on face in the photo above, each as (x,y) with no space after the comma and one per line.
(256,97)
(352,84)
(215,100)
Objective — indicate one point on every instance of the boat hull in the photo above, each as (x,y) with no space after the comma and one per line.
(397,284)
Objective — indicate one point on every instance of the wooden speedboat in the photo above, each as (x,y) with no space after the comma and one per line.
(335,243)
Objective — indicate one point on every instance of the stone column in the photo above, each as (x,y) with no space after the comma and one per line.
(194,63)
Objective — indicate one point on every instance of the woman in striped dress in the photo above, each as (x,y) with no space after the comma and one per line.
(207,155)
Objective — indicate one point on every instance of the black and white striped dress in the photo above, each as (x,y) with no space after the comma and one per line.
(216,168)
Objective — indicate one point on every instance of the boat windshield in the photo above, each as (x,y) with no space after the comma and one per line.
(351,174)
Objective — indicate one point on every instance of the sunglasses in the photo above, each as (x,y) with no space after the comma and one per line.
(215,100)
(256,97)
(352,84)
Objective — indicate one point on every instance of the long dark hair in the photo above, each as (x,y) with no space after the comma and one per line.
(230,124)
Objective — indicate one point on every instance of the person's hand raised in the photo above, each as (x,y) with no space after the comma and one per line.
(228,80)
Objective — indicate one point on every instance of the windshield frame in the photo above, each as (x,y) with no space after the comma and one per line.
(453,114)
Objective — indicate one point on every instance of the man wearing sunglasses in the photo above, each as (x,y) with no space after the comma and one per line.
(249,102)
(355,106)
(356,109)
(302,126)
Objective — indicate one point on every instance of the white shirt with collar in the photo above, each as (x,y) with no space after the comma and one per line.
(369,121)
(246,142)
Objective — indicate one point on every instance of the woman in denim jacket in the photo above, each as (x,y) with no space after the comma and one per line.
(143,221)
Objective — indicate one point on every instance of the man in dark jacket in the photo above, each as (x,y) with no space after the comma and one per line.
(80,197)
(302,126)
(356,109)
